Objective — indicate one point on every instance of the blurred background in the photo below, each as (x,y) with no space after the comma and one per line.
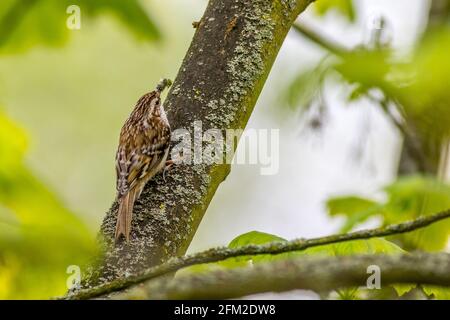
(359,92)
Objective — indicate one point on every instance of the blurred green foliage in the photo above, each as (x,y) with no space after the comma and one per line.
(306,86)
(345,7)
(39,236)
(438,293)
(420,85)
(407,199)
(426,97)
(26,23)
(60,95)
(356,210)
(415,82)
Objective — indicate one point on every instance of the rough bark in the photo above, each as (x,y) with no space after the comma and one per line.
(221,77)
(320,274)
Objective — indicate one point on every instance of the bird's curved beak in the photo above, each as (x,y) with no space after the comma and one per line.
(163,83)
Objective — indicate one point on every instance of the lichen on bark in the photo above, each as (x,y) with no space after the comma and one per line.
(220,79)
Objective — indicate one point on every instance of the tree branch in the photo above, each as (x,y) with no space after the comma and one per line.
(218,254)
(311,273)
(223,72)
(413,157)
(328,44)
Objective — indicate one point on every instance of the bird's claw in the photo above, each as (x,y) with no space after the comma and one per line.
(167,167)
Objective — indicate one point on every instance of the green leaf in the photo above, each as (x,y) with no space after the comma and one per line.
(367,68)
(435,292)
(249,238)
(254,237)
(130,13)
(356,210)
(412,197)
(402,289)
(345,7)
(24,24)
(349,205)
(408,199)
(369,246)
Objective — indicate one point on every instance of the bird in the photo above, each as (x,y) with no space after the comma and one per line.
(142,152)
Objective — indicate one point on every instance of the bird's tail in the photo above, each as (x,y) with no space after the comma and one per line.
(124,215)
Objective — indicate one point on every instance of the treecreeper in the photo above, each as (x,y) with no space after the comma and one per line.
(142,152)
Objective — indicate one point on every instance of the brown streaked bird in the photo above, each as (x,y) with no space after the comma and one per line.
(142,153)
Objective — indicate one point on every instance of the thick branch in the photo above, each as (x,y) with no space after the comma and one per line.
(214,255)
(221,77)
(318,274)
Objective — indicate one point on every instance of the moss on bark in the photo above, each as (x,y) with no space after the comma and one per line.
(220,79)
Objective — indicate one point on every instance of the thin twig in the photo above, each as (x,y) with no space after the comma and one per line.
(340,51)
(319,39)
(218,254)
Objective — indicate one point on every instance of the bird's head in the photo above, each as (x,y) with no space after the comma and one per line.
(151,102)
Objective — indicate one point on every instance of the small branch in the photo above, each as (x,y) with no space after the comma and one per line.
(319,274)
(412,145)
(339,50)
(218,254)
(320,40)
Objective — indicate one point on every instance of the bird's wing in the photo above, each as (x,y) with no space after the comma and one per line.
(141,150)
